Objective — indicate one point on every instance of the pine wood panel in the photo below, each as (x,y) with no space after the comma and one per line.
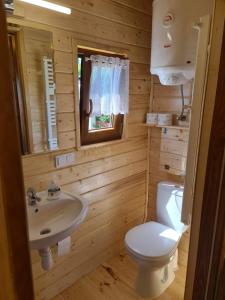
(140,5)
(65,103)
(62,41)
(135,130)
(43,163)
(139,102)
(62,61)
(99,27)
(66,139)
(173,146)
(168,98)
(137,116)
(36,45)
(91,169)
(112,12)
(64,83)
(172,162)
(112,176)
(89,184)
(139,71)
(65,122)
(139,86)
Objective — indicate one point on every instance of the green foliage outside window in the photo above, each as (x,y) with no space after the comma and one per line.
(101,122)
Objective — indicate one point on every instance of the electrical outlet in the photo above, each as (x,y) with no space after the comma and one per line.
(64,160)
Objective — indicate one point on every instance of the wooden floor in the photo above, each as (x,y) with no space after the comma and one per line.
(114,280)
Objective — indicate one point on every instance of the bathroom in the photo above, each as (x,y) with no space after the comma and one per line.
(116,166)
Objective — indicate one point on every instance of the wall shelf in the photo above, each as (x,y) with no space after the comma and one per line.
(165,126)
(172,147)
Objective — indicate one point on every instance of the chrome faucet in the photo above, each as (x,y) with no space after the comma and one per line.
(32,197)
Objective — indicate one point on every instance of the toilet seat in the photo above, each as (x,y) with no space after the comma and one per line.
(152,241)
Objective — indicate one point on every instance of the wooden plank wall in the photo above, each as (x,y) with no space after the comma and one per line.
(65,91)
(37,44)
(112,177)
(163,146)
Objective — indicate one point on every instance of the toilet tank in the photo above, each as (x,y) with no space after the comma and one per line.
(174,39)
(169,205)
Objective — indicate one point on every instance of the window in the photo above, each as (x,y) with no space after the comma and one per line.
(99,121)
(18,94)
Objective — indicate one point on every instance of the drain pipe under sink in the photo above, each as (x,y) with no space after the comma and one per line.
(46,258)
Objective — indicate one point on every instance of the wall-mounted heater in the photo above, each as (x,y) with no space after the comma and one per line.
(175,38)
(9,7)
(50,101)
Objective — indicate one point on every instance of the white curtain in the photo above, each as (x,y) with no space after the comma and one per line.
(109,85)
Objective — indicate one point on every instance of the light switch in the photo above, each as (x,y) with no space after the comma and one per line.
(64,160)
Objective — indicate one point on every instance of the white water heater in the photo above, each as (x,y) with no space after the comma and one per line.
(174,38)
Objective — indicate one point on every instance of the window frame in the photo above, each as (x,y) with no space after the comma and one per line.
(95,136)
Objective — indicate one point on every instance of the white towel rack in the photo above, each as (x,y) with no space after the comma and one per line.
(50,100)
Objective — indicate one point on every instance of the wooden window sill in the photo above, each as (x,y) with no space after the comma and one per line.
(102,144)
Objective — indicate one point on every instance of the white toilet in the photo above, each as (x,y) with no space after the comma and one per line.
(153,245)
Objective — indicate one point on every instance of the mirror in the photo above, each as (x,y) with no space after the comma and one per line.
(34,88)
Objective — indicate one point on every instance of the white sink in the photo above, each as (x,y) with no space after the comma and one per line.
(51,221)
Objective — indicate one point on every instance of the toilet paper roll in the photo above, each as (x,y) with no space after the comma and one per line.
(165,119)
(64,246)
(152,118)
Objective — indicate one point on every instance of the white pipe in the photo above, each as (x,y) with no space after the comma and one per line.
(46,258)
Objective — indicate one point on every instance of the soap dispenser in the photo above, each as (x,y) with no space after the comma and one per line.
(54,191)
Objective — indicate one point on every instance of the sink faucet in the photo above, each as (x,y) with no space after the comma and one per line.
(32,197)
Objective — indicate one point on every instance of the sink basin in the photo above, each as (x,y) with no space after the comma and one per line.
(51,221)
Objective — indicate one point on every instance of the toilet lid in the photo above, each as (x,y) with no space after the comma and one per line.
(152,240)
